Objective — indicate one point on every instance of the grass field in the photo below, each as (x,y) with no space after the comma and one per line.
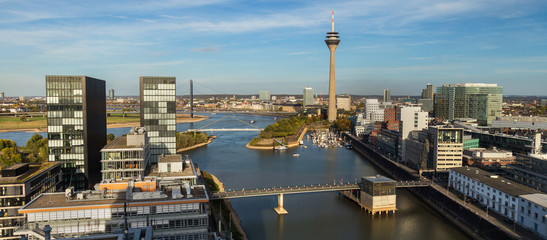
(118,118)
(8,123)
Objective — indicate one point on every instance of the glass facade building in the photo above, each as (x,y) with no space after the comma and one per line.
(76,121)
(158,114)
(307,97)
(469,100)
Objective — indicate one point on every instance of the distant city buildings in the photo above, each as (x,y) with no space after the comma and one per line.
(158,114)
(19,184)
(111,94)
(264,96)
(480,101)
(343,102)
(307,97)
(76,124)
(1,95)
(387,96)
(427,93)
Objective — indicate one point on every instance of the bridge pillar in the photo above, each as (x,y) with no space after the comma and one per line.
(279,209)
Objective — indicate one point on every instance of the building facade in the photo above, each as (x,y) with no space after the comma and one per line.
(111,94)
(19,184)
(533,213)
(343,102)
(529,170)
(158,114)
(76,124)
(168,201)
(469,100)
(482,157)
(427,93)
(307,97)
(492,191)
(126,156)
(446,147)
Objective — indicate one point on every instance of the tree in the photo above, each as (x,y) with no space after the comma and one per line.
(10,156)
(6,143)
(109,138)
(36,149)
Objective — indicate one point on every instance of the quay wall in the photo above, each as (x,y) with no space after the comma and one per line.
(469,222)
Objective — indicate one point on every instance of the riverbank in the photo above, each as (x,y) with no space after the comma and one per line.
(224,205)
(181,118)
(210,140)
(468,218)
(290,144)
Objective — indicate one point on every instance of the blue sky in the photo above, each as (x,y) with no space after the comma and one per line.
(243,47)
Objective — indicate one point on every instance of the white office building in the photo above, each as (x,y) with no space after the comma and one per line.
(371,105)
(498,194)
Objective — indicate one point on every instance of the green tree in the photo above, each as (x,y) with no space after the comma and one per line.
(10,156)
(36,149)
(6,143)
(109,138)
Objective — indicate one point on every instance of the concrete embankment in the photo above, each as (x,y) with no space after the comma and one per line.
(469,221)
(226,206)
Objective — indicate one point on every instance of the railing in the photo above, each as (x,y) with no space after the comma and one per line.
(285,190)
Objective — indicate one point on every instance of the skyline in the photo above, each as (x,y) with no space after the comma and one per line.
(243,47)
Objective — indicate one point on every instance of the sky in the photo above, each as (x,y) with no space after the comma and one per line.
(242,47)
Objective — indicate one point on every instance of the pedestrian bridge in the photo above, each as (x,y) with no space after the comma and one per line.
(280,191)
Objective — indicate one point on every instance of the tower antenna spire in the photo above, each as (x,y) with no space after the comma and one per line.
(332,24)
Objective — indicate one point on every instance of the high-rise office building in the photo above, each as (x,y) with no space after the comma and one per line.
(111,94)
(158,114)
(307,97)
(427,93)
(1,95)
(76,125)
(264,96)
(387,95)
(480,101)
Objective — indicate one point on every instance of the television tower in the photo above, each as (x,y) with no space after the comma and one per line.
(332,42)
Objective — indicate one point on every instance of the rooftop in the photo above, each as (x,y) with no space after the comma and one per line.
(58,201)
(120,143)
(378,178)
(34,169)
(500,183)
(537,198)
(171,158)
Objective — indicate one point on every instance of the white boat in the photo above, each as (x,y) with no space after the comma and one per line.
(253,121)
(281,148)
(296,155)
(301,142)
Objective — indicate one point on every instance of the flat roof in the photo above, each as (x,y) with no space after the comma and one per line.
(537,198)
(170,158)
(49,202)
(34,169)
(120,143)
(500,183)
(376,179)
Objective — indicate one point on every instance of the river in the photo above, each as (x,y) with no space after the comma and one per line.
(312,215)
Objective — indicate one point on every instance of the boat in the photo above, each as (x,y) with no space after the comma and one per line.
(348,146)
(253,121)
(281,148)
(301,142)
(296,155)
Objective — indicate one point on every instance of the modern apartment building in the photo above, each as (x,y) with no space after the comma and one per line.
(158,114)
(307,96)
(480,101)
(168,200)
(76,125)
(126,156)
(410,119)
(19,184)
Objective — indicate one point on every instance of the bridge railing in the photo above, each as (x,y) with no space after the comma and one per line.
(286,189)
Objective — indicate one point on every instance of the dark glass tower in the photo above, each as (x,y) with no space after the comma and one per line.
(158,114)
(76,127)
